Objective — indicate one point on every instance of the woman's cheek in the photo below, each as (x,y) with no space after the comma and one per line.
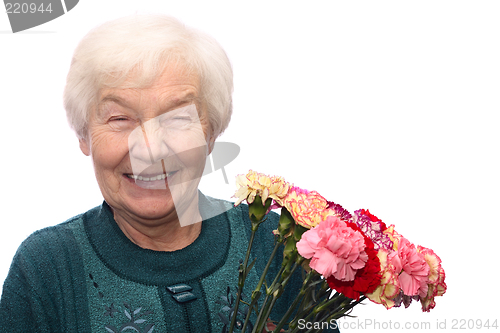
(106,144)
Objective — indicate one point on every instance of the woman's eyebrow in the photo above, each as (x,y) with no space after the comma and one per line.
(102,110)
(172,105)
(115,99)
(183,99)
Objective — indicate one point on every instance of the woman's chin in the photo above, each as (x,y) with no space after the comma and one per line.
(150,209)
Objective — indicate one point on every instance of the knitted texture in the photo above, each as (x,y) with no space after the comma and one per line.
(85,275)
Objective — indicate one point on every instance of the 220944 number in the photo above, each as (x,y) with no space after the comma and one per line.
(464,324)
(24,8)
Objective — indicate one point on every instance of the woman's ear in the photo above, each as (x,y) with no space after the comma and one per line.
(84,146)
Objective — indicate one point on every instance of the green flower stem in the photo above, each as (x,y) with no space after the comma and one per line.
(265,305)
(259,285)
(257,321)
(275,290)
(336,315)
(325,289)
(257,211)
(304,308)
(277,278)
(296,301)
(309,295)
(343,307)
(242,277)
(330,302)
(250,309)
(318,308)
(264,273)
(299,311)
(267,313)
(295,266)
(340,314)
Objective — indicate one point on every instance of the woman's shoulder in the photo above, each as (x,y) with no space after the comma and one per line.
(46,268)
(53,240)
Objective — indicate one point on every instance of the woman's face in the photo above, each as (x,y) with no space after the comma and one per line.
(149,147)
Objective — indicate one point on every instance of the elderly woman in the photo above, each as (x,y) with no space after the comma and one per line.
(147,97)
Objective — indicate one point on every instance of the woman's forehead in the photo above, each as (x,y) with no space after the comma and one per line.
(171,88)
(146,75)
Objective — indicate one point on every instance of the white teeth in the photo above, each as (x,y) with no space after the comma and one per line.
(150,179)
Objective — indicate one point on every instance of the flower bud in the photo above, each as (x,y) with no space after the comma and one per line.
(286,223)
(257,210)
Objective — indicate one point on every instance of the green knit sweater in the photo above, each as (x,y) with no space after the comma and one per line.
(85,275)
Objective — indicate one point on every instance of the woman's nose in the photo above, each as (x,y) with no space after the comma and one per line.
(147,142)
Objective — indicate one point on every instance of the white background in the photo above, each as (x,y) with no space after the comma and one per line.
(386,105)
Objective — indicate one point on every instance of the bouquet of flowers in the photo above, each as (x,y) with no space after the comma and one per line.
(346,259)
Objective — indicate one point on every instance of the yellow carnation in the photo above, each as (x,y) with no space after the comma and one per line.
(307,208)
(389,285)
(254,183)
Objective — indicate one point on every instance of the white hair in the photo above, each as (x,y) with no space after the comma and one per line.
(144,45)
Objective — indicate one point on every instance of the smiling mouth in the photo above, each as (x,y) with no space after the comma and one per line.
(151,178)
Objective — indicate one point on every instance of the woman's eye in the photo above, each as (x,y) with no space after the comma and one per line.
(121,123)
(118,119)
(176,121)
(182,119)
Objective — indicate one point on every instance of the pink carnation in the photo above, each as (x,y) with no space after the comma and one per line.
(334,248)
(413,267)
(436,284)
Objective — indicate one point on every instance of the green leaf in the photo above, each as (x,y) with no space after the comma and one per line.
(247,270)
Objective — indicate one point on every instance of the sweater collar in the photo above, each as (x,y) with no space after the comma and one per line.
(205,255)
